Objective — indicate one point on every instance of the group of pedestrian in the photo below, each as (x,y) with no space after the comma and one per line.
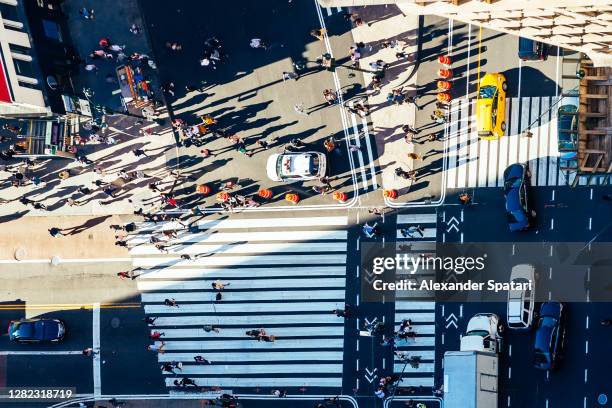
(261,335)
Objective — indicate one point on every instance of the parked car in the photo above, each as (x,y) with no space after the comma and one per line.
(567,123)
(550,336)
(521,303)
(36,330)
(483,333)
(518,211)
(296,166)
(530,50)
(491,106)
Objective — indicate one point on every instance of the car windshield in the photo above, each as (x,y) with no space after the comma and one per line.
(487,92)
(25,330)
(548,321)
(540,357)
(482,333)
(512,183)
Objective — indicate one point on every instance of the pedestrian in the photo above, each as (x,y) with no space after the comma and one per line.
(380,392)
(370,231)
(300,109)
(209,327)
(376,211)
(263,144)
(158,348)
(330,96)
(354,148)
(201,360)
(218,285)
(91,68)
(174,46)
(258,43)
(155,335)
(88,352)
(123,275)
(55,232)
(290,75)
(88,14)
(319,33)
(134,29)
(414,156)
(121,243)
(279,393)
(139,152)
(340,313)
(171,302)
(167,367)
(465,198)
(149,320)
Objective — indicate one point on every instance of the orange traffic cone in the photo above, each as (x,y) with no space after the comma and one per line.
(445,73)
(444,85)
(340,197)
(444,60)
(203,189)
(292,198)
(443,97)
(265,193)
(392,194)
(223,196)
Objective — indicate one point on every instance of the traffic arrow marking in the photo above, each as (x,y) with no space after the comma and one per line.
(451,321)
(370,376)
(453,222)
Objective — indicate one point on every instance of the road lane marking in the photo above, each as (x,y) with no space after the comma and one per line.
(509,372)
(67,306)
(586,375)
(469,50)
(586,323)
(590,223)
(97,375)
(510,350)
(370,152)
(586,347)
(591,194)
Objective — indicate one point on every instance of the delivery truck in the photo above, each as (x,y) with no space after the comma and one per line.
(470,379)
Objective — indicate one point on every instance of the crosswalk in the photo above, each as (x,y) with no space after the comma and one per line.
(417,306)
(285,275)
(480,163)
(359,136)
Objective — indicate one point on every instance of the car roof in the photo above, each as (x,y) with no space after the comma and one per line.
(513,171)
(513,200)
(552,309)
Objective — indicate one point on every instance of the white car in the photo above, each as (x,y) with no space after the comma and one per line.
(483,333)
(296,166)
(521,303)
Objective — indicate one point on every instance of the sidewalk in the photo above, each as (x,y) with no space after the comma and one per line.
(28,238)
(388,23)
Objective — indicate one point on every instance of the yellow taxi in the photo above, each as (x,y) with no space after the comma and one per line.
(491,106)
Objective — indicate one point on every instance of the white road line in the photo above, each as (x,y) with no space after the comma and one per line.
(416,218)
(473,160)
(553,149)
(182,345)
(255,248)
(286,235)
(97,374)
(586,347)
(328,10)
(212,308)
(516,133)
(364,178)
(222,356)
(586,375)
(590,223)
(509,372)
(241,260)
(503,149)
(247,320)
(264,382)
(534,141)
(467,69)
(411,305)
(229,369)
(287,331)
(268,284)
(544,130)
(253,273)
(464,137)
(273,222)
(453,140)
(370,153)
(314,295)
(524,141)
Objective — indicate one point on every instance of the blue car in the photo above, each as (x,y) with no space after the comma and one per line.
(550,336)
(516,181)
(37,330)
